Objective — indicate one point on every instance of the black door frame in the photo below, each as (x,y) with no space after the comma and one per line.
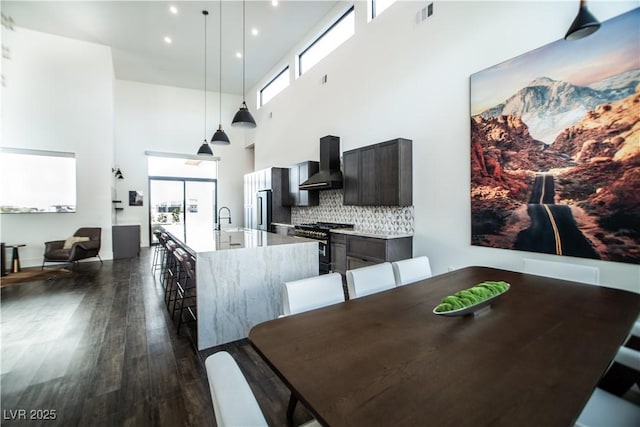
(184,200)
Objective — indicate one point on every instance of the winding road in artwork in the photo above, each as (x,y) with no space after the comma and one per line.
(553,229)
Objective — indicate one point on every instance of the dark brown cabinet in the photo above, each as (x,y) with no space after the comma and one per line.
(297,175)
(369,176)
(363,251)
(339,253)
(379,174)
(125,241)
(350,162)
(353,251)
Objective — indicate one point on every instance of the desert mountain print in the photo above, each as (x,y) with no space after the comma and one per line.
(555,166)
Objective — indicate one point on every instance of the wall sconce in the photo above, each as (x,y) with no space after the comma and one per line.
(117,173)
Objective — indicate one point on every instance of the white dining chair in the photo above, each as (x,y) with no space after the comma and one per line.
(576,273)
(234,404)
(311,293)
(411,270)
(606,409)
(561,270)
(628,357)
(233,401)
(369,280)
(635,330)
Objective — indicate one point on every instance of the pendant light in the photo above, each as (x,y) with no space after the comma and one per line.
(205,148)
(243,118)
(584,24)
(220,137)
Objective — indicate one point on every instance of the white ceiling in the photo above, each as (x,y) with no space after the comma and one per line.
(135,31)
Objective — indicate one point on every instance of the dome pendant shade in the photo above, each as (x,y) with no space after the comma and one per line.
(220,137)
(243,118)
(584,24)
(205,149)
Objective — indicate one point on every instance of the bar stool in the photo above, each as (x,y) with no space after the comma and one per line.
(164,239)
(177,277)
(158,252)
(169,276)
(186,291)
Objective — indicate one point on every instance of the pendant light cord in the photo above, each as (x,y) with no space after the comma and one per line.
(205,13)
(243,50)
(220,74)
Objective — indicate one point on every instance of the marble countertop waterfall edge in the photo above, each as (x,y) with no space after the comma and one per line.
(237,289)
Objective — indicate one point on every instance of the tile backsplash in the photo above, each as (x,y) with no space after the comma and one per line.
(368,219)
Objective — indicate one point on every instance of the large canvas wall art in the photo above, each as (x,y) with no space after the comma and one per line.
(555,147)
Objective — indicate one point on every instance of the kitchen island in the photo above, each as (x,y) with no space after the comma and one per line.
(239,275)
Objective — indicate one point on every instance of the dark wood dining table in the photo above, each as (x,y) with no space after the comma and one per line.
(533,359)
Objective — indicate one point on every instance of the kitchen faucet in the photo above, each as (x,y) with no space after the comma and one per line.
(220,218)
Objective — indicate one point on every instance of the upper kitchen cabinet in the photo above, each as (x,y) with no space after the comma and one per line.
(350,167)
(297,175)
(379,174)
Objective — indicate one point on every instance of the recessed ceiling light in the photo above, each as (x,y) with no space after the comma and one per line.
(167,39)
(254,31)
(238,55)
(274,2)
(173,10)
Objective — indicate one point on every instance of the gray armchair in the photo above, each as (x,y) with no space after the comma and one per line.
(55,251)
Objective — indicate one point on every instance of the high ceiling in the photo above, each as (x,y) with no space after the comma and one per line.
(135,30)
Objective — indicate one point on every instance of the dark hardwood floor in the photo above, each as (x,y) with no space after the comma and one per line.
(98,347)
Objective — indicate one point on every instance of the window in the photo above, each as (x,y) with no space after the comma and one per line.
(274,87)
(36,181)
(379,6)
(337,34)
(183,194)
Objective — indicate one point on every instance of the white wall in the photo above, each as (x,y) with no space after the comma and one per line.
(59,96)
(396,78)
(170,119)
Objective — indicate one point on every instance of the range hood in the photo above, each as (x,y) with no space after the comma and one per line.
(330,176)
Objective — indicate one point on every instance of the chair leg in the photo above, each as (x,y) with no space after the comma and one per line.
(154,261)
(293,400)
(169,288)
(100,259)
(179,312)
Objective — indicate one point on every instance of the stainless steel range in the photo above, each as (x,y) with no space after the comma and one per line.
(321,231)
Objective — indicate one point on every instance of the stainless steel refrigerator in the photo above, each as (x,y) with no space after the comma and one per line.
(263,214)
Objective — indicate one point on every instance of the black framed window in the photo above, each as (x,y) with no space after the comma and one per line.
(340,31)
(379,6)
(274,87)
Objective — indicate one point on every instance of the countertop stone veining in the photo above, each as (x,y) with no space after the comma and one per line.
(237,289)
(241,238)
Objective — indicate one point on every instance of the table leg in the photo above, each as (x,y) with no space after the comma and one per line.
(293,400)
(15,261)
